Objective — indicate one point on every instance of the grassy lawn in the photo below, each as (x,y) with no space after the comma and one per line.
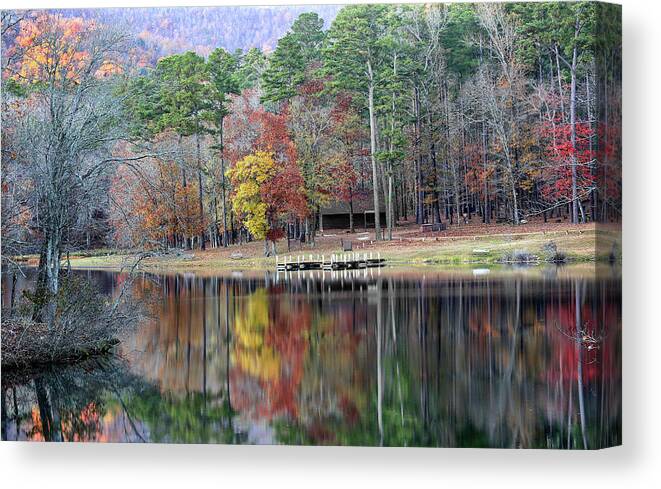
(493,248)
(456,246)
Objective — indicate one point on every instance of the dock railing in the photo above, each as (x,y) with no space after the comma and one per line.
(341,261)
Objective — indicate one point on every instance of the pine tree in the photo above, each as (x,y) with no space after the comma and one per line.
(355,56)
(184,91)
(291,60)
(222,67)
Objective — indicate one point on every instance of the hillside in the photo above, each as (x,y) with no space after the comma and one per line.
(171,30)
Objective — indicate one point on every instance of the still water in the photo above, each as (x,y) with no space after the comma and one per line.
(474,358)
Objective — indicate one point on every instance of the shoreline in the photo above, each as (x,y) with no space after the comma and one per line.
(580,244)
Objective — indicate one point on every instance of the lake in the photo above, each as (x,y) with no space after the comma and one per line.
(513,358)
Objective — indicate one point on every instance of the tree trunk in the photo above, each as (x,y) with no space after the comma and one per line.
(572,122)
(515,204)
(222,179)
(52,275)
(436,204)
(373,149)
(307,230)
(13,294)
(389,209)
(560,90)
(390,206)
(184,183)
(200,189)
(420,194)
(593,193)
(487,210)
(351,228)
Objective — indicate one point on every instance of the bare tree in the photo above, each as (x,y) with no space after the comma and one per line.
(425,28)
(66,135)
(502,87)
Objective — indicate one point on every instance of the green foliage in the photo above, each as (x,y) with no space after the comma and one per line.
(194,418)
(461,50)
(251,67)
(143,104)
(176,95)
(543,26)
(222,68)
(15,88)
(293,57)
(183,92)
(355,40)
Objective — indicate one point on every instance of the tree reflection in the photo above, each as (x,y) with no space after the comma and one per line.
(79,403)
(435,360)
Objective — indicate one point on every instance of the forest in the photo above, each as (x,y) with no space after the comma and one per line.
(433,114)
(168,30)
(158,163)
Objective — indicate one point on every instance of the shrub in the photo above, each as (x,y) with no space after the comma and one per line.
(519,256)
(87,322)
(552,254)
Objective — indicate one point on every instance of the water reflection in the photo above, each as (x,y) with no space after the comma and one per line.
(458,360)
(82,403)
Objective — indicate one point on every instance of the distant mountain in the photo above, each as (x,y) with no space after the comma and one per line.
(171,30)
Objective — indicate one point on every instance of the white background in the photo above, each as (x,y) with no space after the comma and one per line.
(636,464)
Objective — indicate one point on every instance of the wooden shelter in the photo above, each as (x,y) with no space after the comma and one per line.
(338,214)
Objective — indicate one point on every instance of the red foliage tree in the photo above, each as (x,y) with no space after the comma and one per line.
(556,179)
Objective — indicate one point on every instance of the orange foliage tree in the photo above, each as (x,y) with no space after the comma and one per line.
(55,50)
(155,209)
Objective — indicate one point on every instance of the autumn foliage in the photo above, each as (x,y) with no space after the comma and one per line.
(557,181)
(266,193)
(56,49)
(161,205)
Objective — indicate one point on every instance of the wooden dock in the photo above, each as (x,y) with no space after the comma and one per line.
(340,261)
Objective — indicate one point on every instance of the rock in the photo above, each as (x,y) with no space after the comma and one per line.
(236,256)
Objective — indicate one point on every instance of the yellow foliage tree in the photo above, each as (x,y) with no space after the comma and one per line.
(248,176)
(253,355)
